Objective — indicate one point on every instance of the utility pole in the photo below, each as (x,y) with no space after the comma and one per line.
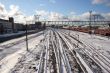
(90,20)
(78,40)
(26,35)
(69,27)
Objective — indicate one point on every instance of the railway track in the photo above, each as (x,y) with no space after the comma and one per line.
(63,53)
(72,52)
(97,58)
(58,58)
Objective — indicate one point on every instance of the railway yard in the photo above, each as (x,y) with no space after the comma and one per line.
(58,51)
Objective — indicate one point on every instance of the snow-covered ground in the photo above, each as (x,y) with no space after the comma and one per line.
(56,52)
(11,54)
(101,44)
(97,47)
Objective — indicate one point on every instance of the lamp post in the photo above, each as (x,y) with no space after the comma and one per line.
(90,17)
(69,27)
(27,48)
(27,38)
(90,20)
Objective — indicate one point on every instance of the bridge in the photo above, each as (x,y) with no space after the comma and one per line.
(76,22)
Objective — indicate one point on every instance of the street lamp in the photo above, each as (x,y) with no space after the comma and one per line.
(69,26)
(26,35)
(90,20)
(90,17)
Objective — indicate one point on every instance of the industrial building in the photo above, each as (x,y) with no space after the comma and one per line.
(7,26)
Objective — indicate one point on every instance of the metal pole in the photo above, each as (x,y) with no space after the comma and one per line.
(78,40)
(90,17)
(26,38)
(90,20)
(69,27)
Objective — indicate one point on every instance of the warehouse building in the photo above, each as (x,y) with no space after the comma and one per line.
(6,26)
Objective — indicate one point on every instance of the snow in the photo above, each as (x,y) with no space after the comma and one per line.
(21,38)
(101,44)
(85,65)
(95,46)
(14,45)
(10,60)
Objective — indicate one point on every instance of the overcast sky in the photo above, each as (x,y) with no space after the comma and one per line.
(52,9)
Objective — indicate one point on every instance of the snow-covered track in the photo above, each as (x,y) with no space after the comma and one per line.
(97,58)
(73,54)
(95,55)
(63,54)
(66,53)
(18,42)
